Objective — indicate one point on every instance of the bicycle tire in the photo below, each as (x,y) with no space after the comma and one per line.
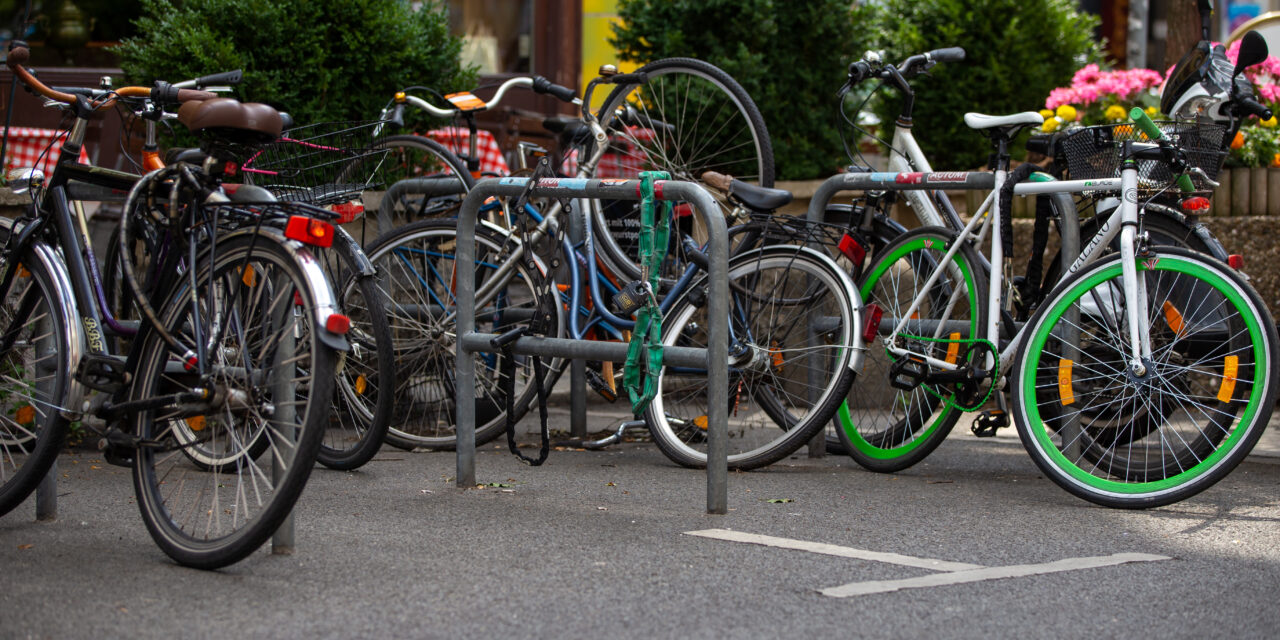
(1171,431)
(32,429)
(416,264)
(887,429)
(409,156)
(729,137)
(362,401)
(774,292)
(210,516)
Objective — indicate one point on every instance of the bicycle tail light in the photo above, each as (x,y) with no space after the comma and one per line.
(1235,261)
(852,249)
(1198,204)
(873,313)
(338,323)
(310,231)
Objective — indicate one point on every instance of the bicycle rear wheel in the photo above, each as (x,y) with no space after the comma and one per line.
(35,374)
(257,437)
(792,322)
(1136,439)
(405,184)
(689,118)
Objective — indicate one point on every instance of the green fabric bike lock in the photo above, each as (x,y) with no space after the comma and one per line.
(641,380)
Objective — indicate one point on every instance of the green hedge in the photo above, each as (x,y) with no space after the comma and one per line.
(320,60)
(1017,51)
(790,57)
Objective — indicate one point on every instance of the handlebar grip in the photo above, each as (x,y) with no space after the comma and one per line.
(629,78)
(858,71)
(1254,108)
(19,54)
(949,54)
(227,77)
(560,92)
(1148,127)
(1040,143)
(397,115)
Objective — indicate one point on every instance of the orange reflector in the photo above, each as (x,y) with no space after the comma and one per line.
(26,414)
(465,101)
(1230,367)
(338,323)
(953,349)
(361,384)
(1064,382)
(310,231)
(701,422)
(248,276)
(1174,318)
(196,423)
(22,272)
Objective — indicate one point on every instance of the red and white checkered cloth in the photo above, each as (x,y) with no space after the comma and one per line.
(457,140)
(622,160)
(27,144)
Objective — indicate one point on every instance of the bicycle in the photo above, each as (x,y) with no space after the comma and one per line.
(1164,337)
(418,261)
(232,366)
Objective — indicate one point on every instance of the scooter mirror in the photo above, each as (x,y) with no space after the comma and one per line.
(1253,49)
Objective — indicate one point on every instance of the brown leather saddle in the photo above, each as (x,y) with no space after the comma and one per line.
(232,120)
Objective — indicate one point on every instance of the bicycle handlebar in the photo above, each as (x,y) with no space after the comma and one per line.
(19,54)
(538,84)
(860,70)
(1148,127)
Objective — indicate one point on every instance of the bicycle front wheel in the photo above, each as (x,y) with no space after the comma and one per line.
(1138,437)
(792,323)
(215,477)
(35,373)
(888,428)
(689,118)
(405,184)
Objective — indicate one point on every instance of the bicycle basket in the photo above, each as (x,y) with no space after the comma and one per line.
(329,163)
(1094,152)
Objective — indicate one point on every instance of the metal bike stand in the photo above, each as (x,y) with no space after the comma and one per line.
(283,386)
(430,187)
(715,357)
(47,496)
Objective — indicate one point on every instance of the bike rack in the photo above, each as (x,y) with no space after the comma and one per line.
(715,357)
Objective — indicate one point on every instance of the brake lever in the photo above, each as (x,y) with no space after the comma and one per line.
(1204,176)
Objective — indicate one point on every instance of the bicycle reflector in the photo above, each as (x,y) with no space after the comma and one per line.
(852,250)
(873,313)
(309,231)
(1198,204)
(1235,261)
(338,323)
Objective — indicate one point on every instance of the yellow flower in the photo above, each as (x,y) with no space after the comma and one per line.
(1114,112)
(1152,111)
(1067,112)
(1050,125)
(1269,123)
(1046,114)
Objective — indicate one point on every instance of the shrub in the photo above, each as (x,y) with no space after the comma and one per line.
(1017,52)
(320,60)
(791,57)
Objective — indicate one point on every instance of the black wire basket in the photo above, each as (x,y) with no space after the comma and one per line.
(1094,152)
(324,164)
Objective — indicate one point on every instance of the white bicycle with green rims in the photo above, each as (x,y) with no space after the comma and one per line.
(1143,378)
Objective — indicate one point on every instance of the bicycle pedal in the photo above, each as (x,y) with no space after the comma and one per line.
(600,385)
(118,448)
(988,422)
(907,374)
(102,373)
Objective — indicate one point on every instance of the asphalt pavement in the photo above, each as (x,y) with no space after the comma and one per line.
(616,543)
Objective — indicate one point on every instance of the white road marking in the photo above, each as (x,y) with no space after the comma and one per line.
(833,550)
(987,573)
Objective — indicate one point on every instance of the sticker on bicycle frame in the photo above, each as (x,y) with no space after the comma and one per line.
(949,176)
(909,178)
(576,184)
(953,348)
(1173,318)
(511,181)
(465,101)
(883,177)
(1150,263)
(1064,382)
(1230,367)
(613,182)
(1131,196)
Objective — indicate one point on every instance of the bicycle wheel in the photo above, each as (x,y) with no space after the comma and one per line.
(362,400)
(417,265)
(689,118)
(215,478)
(886,428)
(398,192)
(1122,438)
(35,371)
(792,322)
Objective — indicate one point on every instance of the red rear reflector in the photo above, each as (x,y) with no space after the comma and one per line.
(1196,205)
(852,250)
(681,210)
(873,314)
(230,168)
(347,211)
(297,299)
(1235,261)
(191,363)
(309,231)
(338,323)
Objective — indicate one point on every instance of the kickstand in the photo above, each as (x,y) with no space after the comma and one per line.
(613,438)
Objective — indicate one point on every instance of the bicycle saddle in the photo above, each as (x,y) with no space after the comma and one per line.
(1008,126)
(241,122)
(756,198)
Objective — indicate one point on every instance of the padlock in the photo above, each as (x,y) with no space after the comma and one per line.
(631,297)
